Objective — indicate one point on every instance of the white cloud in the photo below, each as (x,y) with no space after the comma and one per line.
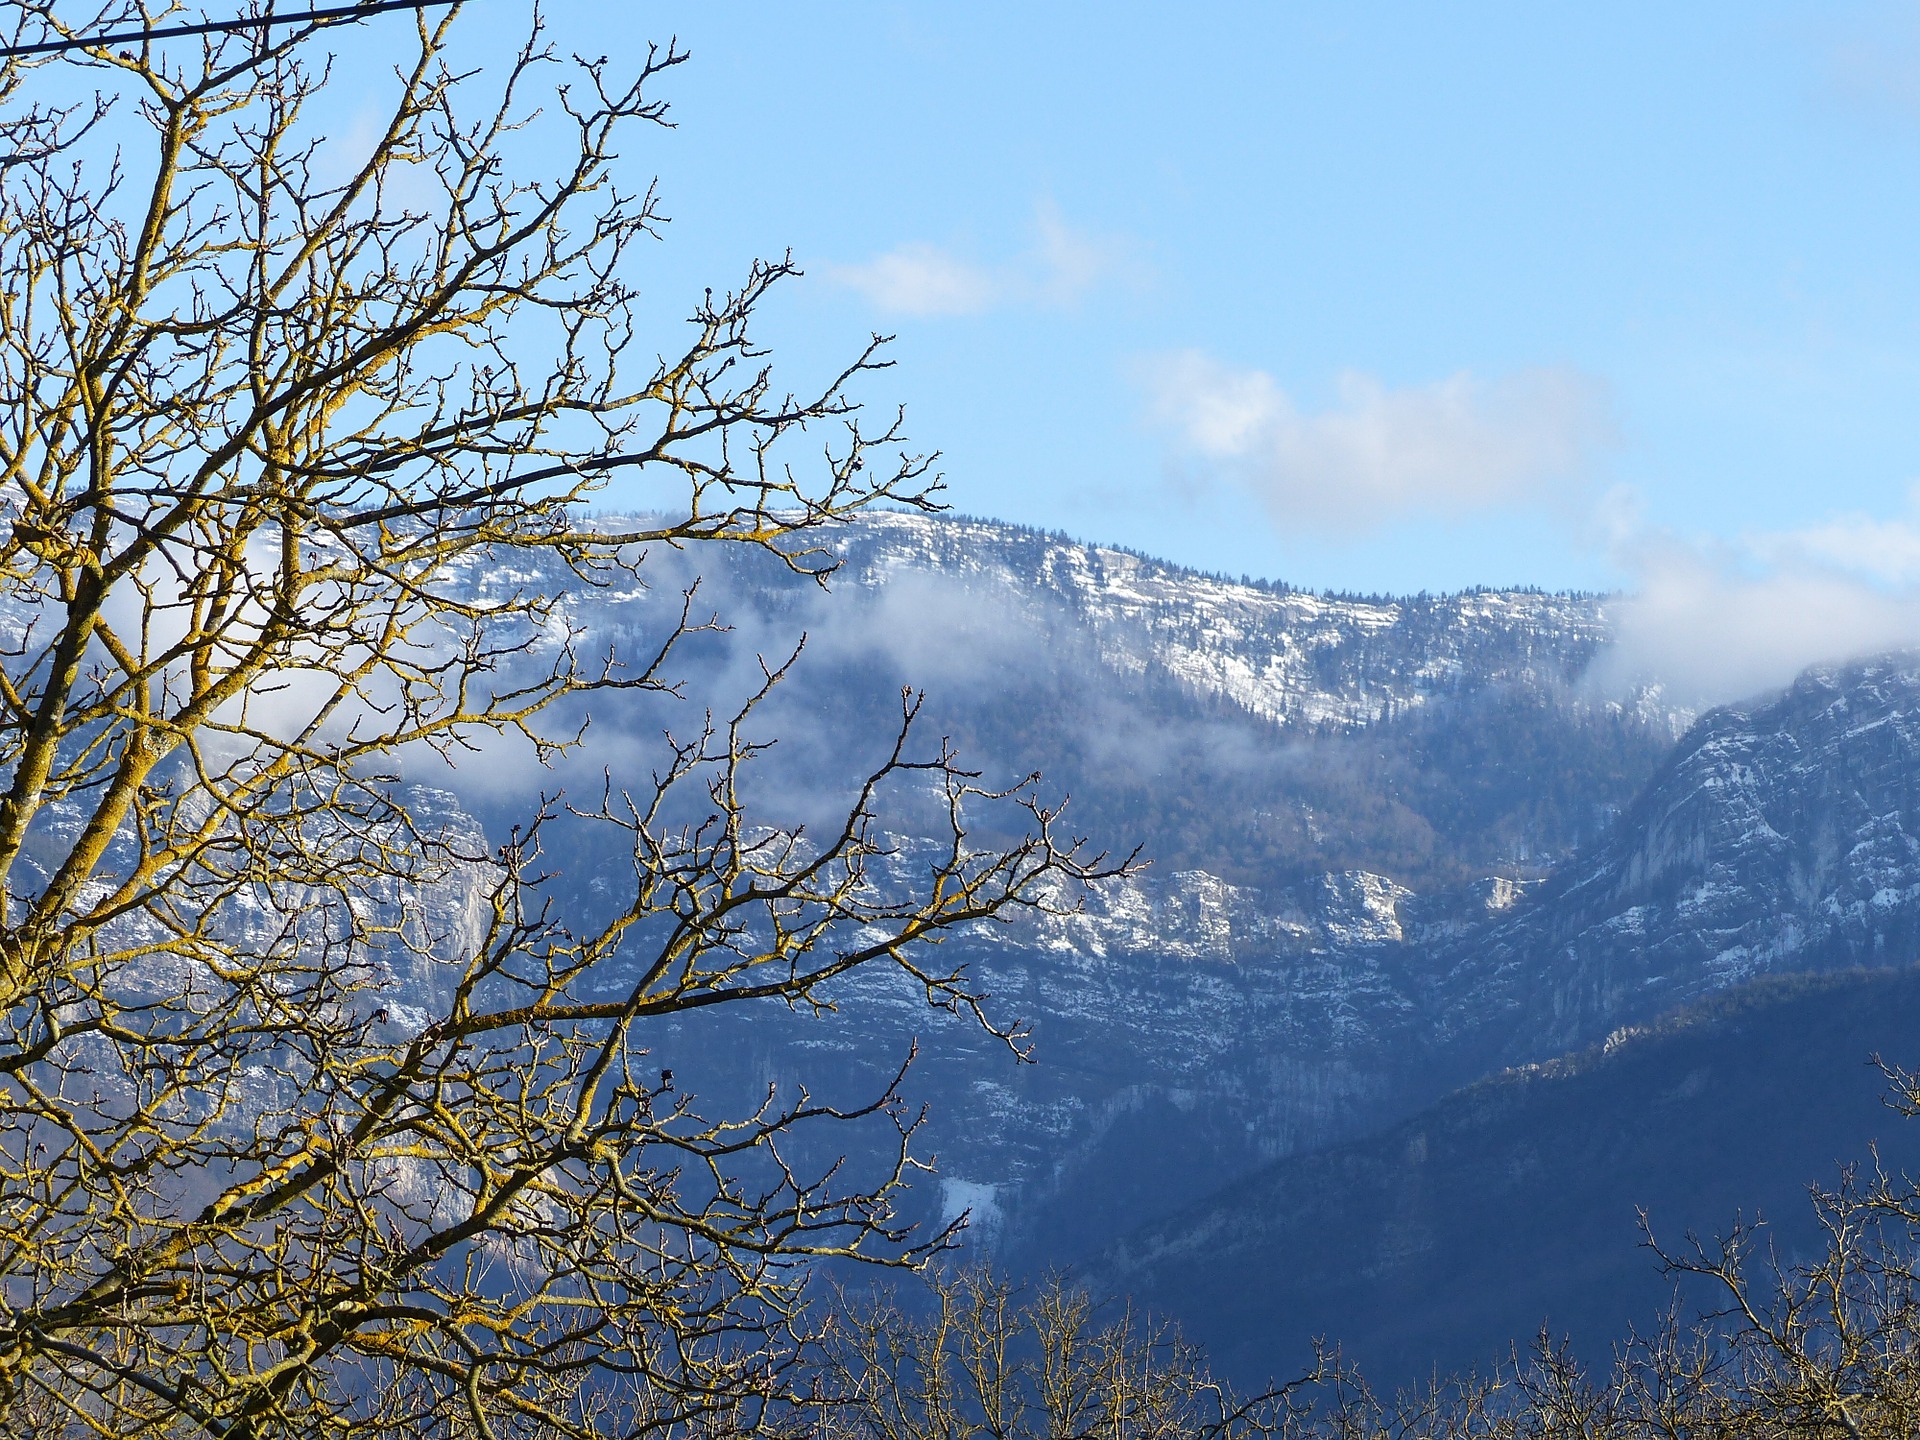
(1059,268)
(1445,448)
(920,279)
(1714,621)
(1886,552)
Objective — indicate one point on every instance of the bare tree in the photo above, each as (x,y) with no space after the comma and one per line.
(988,1360)
(296,449)
(1828,1345)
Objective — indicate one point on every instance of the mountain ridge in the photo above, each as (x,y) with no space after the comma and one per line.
(1400,844)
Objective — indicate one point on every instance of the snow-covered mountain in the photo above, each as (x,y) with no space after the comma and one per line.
(1402,844)
(1399,844)
(1328,785)
(1292,657)
(1247,729)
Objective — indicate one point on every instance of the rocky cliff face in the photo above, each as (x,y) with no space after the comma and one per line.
(1779,840)
(1783,835)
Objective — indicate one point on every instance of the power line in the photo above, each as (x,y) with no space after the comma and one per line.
(218,27)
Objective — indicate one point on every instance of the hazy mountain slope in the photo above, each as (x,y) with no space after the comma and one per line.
(1515,1201)
(1346,799)
(1780,835)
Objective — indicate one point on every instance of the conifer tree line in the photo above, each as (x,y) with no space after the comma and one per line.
(322,1114)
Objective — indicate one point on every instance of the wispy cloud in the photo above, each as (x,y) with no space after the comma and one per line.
(1066,263)
(920,279)
(1379,454)
(1717,620)
(1060,267)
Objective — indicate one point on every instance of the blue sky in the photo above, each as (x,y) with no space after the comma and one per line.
(1375,297)
(1359,295)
